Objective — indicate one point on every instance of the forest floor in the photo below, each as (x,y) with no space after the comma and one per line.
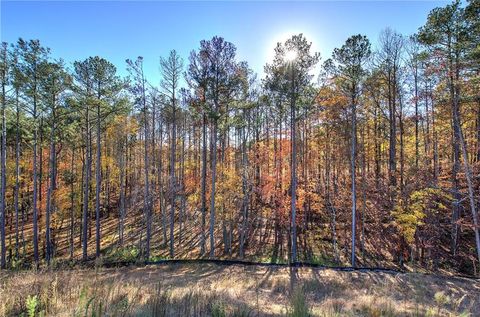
(234,290)
(187,244)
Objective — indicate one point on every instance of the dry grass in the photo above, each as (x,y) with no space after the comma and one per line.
(214,290)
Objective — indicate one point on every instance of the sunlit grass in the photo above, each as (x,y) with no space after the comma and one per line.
(211,290)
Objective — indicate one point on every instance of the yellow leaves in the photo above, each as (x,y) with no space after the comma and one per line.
(331,100)
(61,198)
(229,187)
(122,126)
(408,215)
(193,199)
(407,219)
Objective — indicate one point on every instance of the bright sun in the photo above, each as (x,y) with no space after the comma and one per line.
(291,55)
(269,51)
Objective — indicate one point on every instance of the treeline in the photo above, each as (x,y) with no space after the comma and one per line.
(376,161)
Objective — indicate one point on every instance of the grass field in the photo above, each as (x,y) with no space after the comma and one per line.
(236,290)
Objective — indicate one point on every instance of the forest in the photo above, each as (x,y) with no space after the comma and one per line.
(366,158)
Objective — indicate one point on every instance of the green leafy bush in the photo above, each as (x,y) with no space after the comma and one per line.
(32,305)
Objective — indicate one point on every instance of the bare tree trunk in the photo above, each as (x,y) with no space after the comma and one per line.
(17,171)
(293,170)
(40,166)
(98,185)
(212,196)
(3,163)
(468,176)
(455,93)
(182,183)
(276,162)
(72,206)
(364,194)
(280,185)
(35,183)
(376,130)
(436,171)
(123,148)
(245,193)
(172,180)
(417,141)
(393,131)
(354,194)
(51,187)
(204,181)
(478,131)
(147,198)
(456,164)
(86,189)
(163,210)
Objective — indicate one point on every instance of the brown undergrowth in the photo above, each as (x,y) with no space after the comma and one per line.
(215,290)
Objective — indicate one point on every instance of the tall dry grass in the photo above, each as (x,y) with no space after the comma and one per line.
(209,290)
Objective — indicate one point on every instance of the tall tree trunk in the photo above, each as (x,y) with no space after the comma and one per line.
(436,166)
(417,140)
(72,206)
(455,94)
(98,185)
(478,131)
(245,193)
(212,194)
(35,183)
(364,194)
(402,150)
(204,181)
(182,183)
(456,163)
(172,181)
(468,176)
(40,165)
(147,198)
(276,160)
(51,187)
(17,170)
(352,162)
(3,163)
(122,154)
(86,189)
(376,132)
(393,131)
(293,170)
(163,209)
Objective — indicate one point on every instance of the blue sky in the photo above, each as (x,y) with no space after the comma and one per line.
(117,30)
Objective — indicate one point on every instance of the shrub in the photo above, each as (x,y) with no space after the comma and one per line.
(298,304)
(218,310)
(31,304)
(122,254)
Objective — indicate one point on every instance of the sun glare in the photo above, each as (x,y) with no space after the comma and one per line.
(281,37)
(291,55)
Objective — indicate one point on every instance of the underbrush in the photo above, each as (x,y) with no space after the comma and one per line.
(122,254)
